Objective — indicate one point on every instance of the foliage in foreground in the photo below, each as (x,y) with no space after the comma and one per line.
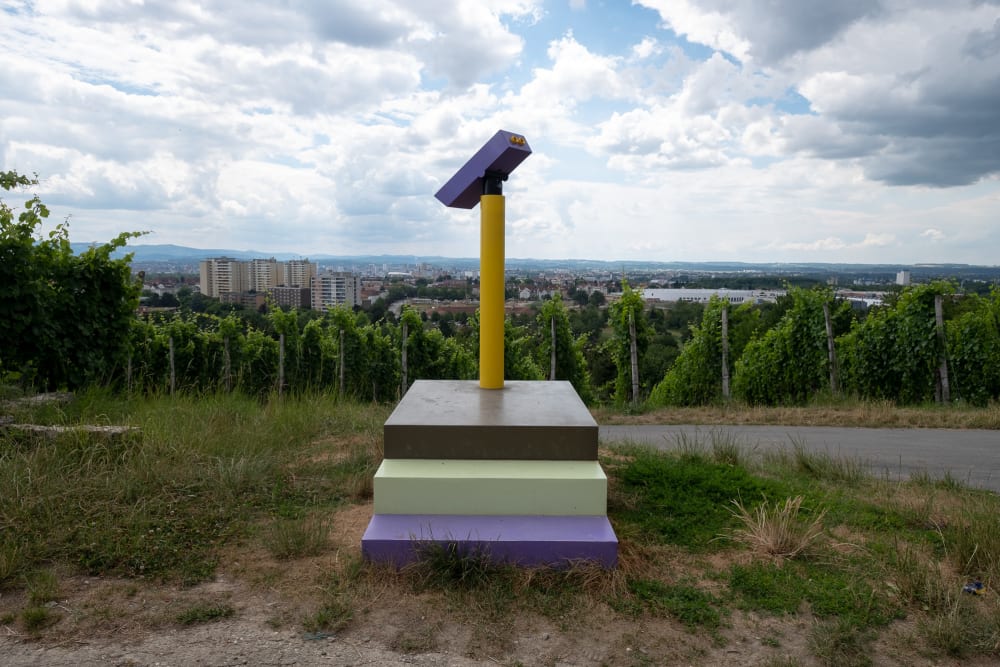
(64,318)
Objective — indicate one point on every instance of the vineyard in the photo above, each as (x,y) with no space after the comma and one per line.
(931,344)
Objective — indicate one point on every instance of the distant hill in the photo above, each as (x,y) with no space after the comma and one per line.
(175,254)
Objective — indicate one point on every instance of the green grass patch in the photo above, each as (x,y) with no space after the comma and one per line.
(689,605)
(683,500)
(830,590)
(204,613)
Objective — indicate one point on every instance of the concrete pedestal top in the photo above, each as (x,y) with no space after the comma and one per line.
(456,419)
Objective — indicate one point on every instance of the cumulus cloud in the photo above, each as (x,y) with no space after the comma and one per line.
(766,30)
(908,88)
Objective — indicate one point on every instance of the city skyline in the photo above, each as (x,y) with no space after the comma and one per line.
(682,130)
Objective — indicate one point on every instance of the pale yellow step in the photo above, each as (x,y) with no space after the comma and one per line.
(475,487)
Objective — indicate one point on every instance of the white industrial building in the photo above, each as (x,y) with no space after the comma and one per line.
(697,295)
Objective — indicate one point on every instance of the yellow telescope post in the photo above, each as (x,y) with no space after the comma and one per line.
(491,291)
(480,181)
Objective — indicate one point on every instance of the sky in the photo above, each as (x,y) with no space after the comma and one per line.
(668,130)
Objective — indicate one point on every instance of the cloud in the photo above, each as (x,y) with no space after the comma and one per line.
(932,235)
(805,131)
(766,31)
(909,89)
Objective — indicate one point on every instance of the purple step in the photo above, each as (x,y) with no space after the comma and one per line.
(521,540)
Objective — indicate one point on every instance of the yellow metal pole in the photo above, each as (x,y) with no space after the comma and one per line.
(491,291)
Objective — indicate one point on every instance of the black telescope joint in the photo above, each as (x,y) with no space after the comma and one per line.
(493,182)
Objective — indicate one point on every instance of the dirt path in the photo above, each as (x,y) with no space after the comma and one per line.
(220,644)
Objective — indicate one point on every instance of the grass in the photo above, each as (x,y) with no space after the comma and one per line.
(710,532)
(297,538)
(201,472)
(36,619)
(204,613)
(691,606)
(775,530)
(840,412)
(681,500)
(822,465)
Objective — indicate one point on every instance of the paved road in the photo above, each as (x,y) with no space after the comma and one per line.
(971,456)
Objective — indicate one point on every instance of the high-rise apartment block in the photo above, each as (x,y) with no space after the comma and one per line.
(220,275)
(298,273)
(335,288)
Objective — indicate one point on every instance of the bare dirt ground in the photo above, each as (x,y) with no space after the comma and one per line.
(126,623)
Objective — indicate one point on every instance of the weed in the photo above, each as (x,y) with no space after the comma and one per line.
(11,560)
(297,538)
(688,445)
(204,613)
(341,589)
(35,619)
(689,605)
(333,615)
(916,579)
(823,466)
(963,629)
(776,530)
(973,541)
(841,644)
(949,482)
(42,587)
(444,564)
(728,448)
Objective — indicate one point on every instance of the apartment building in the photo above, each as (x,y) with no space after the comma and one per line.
(220,275)
(297,273)
(262,274)
(335,288)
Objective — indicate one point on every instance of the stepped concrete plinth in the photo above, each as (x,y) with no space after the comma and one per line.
(456,419)
(478,487)
(510,473)
(399,539)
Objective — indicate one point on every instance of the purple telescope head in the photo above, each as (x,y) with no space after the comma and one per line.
(485,170)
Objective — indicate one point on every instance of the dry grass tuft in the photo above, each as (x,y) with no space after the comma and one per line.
(776,530)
